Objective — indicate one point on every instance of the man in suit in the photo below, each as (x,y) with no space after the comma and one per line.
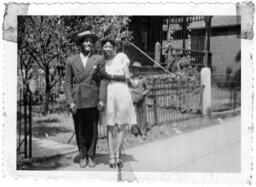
(82,93)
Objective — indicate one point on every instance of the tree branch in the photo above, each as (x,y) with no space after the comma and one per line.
(31,53)
(54,82)
(54,56)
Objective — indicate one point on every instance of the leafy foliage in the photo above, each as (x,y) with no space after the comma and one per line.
(115,27)
(46,41)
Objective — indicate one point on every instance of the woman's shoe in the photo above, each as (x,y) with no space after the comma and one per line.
(119,162)
(112,163)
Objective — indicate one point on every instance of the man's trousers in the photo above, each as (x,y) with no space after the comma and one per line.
(86,129)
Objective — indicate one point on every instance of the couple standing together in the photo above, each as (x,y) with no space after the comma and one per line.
(94,84)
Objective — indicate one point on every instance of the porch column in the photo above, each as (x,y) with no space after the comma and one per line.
(206,91)
(184,32)
(208,20)
(157,52)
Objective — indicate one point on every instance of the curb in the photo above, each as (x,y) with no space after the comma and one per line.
(38,158)
(228,113)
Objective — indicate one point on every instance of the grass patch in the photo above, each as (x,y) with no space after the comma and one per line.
(49,120)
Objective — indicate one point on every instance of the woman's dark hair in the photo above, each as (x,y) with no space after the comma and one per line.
(104,41)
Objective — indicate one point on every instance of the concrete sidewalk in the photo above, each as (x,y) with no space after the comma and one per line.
(211,149)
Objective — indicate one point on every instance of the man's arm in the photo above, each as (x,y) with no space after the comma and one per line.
(68,82)
(102,94)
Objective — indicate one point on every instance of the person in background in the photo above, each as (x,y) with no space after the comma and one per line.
(139,90)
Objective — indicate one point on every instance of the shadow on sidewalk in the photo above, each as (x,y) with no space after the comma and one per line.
(68,162)
(103,158)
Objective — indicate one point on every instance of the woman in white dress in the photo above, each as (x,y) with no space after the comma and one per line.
(119,111)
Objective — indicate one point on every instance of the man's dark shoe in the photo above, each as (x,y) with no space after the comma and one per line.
(91,163)
(83,162)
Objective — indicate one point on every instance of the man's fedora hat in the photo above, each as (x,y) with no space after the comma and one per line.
(87,33)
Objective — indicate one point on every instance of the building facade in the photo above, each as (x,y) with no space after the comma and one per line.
(224,41)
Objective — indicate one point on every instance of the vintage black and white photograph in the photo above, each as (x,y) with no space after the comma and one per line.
(129,97)
(144,93)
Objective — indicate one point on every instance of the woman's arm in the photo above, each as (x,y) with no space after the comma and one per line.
(105,75)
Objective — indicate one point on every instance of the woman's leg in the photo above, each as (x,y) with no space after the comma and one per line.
(111,135)
(120,136)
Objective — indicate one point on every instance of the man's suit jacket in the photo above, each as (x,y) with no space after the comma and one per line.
(81,87)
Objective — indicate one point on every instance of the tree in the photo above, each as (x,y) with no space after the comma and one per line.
(42,41)
(25,61)
(48,40)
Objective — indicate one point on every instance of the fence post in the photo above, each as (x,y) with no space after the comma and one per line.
(157,52)
(32,86)
(154,102)
(25,123)
(206,85)
(20,118)
(30,125)
(234,98)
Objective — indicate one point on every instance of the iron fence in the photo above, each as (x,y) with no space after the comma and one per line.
(173,100)
(226,93)
(24,124)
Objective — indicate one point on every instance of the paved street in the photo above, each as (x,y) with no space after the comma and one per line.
(211,149)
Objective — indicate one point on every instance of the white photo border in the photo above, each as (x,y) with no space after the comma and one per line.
(101,8)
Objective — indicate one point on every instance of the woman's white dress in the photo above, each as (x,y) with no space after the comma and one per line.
(119,106)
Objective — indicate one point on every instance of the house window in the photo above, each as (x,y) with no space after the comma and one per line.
(197,43)
(197,39)
(144,33)
(144,39)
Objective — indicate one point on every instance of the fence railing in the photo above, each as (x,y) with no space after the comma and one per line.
(226,93)
(196,58)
